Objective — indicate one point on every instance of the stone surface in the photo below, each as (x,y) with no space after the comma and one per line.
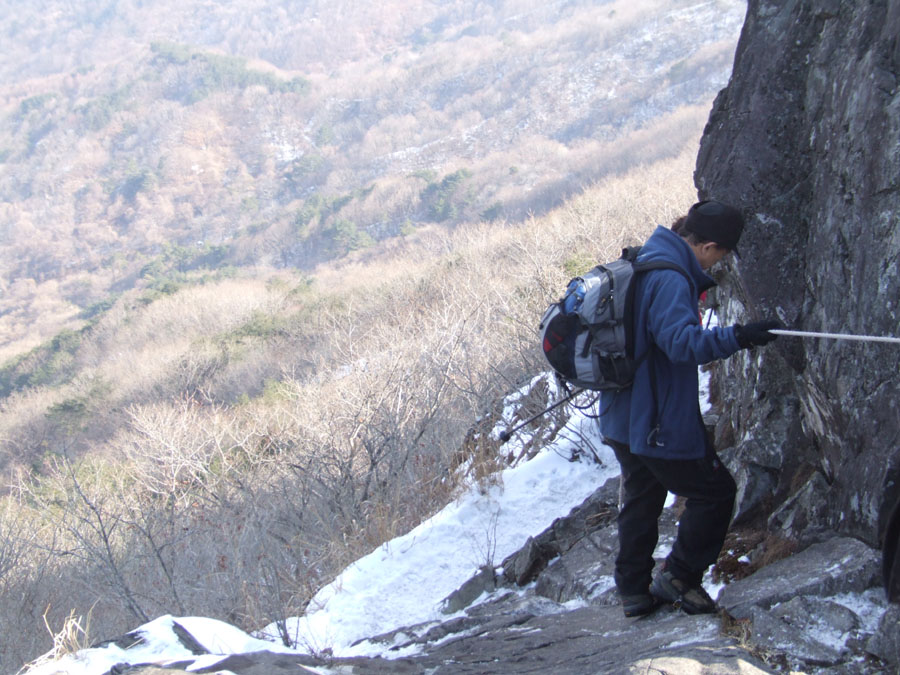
(806,140)
(771,633)
(599,640)
(840,565)
(585,640)
(585,572)
(187,640)
(809,630)
(803,512)
(595,512)
(142,670)
(885,644)
(785,608)
(465,595)
(756,475)
(891,556)
(817,615)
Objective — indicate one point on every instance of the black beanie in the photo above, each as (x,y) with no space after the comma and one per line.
(717,222)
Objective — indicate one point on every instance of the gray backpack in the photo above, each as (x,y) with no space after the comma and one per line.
(587,336)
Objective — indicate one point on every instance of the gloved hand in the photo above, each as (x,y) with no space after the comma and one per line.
(754,334)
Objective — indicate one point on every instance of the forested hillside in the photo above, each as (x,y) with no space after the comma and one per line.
(145,144)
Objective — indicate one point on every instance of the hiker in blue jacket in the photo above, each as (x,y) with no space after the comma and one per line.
(656,428)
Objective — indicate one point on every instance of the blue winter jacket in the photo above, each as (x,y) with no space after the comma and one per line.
(666,316)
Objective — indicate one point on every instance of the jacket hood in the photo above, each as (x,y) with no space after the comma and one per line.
(664,244)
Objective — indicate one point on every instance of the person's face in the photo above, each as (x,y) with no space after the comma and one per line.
(709,253)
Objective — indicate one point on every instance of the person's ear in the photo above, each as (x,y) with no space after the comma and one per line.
(711,247)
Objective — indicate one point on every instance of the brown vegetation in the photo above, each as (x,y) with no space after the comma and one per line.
(284,137)
(224,450)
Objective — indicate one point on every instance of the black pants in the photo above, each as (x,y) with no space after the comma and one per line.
(709,491)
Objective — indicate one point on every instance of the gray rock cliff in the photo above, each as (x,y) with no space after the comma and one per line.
(806,140)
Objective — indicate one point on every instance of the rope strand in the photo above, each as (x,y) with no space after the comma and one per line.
(836,336)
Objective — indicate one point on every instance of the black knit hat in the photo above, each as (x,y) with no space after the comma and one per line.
(717,222)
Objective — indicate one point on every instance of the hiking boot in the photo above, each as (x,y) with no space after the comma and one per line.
(639,604)
(692,600)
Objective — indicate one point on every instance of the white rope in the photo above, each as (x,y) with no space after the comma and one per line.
(835,336)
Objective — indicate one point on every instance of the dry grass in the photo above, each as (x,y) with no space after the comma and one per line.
(748,550)
(73,635)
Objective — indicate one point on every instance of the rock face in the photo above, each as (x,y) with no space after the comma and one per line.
(806,140)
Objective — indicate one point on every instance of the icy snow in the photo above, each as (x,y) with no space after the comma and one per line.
(158,645)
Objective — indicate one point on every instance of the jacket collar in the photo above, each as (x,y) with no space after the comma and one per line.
(664,244)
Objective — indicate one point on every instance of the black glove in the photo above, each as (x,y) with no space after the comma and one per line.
(754,334)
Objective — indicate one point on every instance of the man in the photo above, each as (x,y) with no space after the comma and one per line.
(656,428)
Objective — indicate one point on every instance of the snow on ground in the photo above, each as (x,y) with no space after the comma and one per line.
(159,644)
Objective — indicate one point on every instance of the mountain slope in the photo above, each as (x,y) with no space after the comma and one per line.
(148,139)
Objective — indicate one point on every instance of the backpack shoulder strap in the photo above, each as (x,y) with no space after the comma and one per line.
(631,253)
(650,265)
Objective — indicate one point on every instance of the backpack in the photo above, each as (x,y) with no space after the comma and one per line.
(587,336)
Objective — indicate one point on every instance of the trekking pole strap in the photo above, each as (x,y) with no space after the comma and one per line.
(835,336)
